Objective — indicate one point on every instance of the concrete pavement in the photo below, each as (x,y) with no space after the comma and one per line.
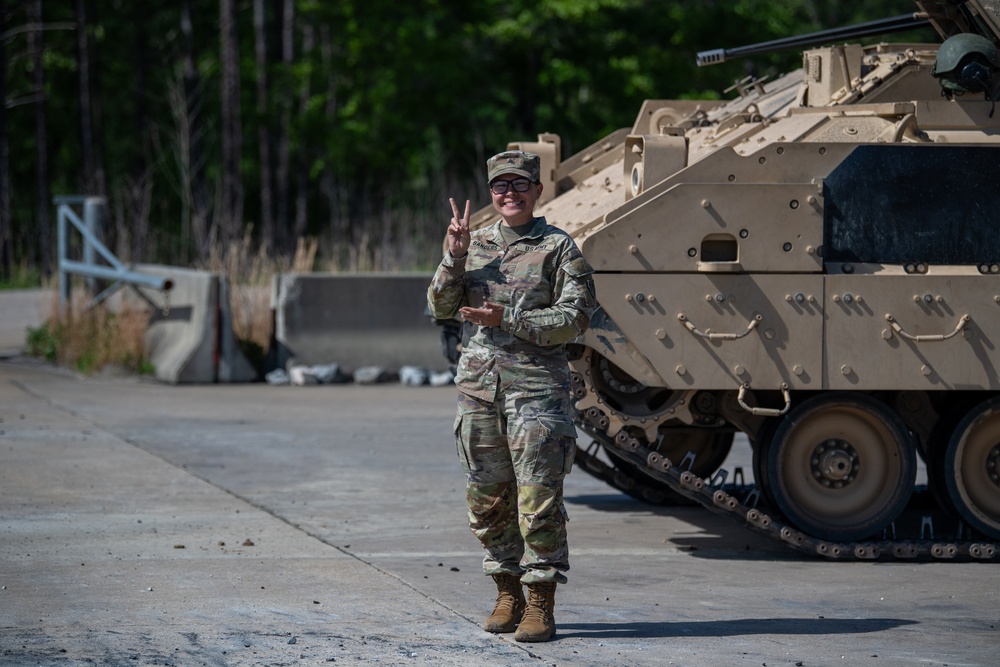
(144,524)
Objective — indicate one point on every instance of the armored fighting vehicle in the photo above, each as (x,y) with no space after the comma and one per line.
(815,264)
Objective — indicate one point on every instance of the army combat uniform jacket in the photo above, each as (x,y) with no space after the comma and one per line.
(547,290)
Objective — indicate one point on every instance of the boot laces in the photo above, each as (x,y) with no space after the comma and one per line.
(506,602)
(507,596)
(538,607)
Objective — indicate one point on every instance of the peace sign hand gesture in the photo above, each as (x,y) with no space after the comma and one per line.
(458,230)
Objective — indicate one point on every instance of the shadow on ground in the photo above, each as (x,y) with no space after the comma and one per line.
(742,626)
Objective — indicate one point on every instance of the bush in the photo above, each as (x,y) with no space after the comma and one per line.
(88,340)
(43,342)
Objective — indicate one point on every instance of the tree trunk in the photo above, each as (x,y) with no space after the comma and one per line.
(231,198)
(191,140)
(282,172)
(96,104)
(6,230)
(35,46)
(139,187)
(90,179)
(327,181)
(302,171)
(267,230)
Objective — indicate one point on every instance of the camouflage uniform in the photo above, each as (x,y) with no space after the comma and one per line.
(514,432)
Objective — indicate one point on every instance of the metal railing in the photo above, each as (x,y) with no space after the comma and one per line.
(88,225)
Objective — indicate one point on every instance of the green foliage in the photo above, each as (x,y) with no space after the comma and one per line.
(23,276)
(43,341)
(389,106)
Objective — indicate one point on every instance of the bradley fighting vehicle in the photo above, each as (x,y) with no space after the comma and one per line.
(816,264)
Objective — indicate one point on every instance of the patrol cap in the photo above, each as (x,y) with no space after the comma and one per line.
(514,162)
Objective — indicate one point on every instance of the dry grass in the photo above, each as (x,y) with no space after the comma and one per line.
(249,274)
(91,339)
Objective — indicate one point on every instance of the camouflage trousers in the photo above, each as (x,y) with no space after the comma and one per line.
(516,453)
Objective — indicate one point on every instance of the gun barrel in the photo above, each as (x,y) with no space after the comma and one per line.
(877,27)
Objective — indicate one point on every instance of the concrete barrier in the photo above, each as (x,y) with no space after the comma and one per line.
(354,320)
(190,337)
(20,310)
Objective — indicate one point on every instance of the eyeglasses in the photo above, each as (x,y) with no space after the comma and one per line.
(501,187)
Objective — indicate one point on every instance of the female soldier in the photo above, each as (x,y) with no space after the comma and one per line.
(524,291)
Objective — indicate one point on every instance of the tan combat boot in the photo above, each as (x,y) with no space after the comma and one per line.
(510,604)
(538,623)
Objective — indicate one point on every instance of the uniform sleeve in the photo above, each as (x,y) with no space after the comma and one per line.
(573,302)
(446,293)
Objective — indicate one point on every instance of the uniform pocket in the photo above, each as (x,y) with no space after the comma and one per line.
(561,432)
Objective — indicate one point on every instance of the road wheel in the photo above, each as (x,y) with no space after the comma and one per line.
(971,468)
(840,466)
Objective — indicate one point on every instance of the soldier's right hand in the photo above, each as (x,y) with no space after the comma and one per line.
(458,230)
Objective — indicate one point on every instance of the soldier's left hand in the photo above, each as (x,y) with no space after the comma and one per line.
(490,315)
